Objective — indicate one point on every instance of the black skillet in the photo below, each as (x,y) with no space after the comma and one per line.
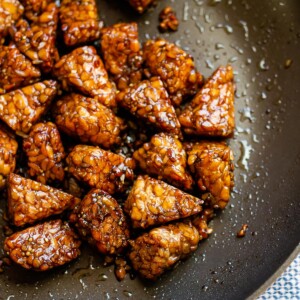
(261,40)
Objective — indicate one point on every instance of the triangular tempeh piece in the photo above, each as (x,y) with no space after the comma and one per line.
(153,202)
(21,108)
(15,69)
(30,201)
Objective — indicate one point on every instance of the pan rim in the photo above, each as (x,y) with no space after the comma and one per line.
(271,280)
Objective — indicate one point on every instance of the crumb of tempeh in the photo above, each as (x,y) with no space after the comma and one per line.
(79,21)
(15,69)
(34,8)
(165,157)
(149,101)
(155,252)
(121,268)
(200,222)
(30,201)
(242,232)
(100,169)
(212,165)
(22,108)
(8,151)
(122,53)
(10,12)
(153,202)
(45,153)
(175,67)
(141,5)
(100,220)
(84,70)
(89,120)
(168,19)
(37,40)
(44,246)
(211,112)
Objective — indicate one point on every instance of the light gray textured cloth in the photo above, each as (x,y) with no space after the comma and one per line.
(287,286)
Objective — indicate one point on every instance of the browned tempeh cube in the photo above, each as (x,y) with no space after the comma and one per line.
(100,219)
(8,151)
(88,120)
(155,252)
(100,169)
(84,70)
(44,246)
(15,69)
(45,153)
(141,5)
(30,201)
(34,8)
(165,157)
(175,67)
(153,202)
(211,112)
(149,101)
(122,53)
(212,165)
(21,108)
(10,12)
(80,23)
(37,40)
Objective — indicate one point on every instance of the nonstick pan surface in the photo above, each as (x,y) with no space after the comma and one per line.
(261,40)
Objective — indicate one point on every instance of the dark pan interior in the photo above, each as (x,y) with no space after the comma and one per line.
(260,39)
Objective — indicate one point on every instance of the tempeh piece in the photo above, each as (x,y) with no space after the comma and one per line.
(45,153)
(22,108)
(15,69)
(30,201)
(88,120)
(80,23)
(37,40)
(100,169)
(84,70)
(141,5)
(100,219)
(149,101)
(212,165)
(122,53)
(175,67)
(34,8)
(8,151)
(153,202)
(211,112)
(155,252)
(165,157)
(43,246)
(10,12)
